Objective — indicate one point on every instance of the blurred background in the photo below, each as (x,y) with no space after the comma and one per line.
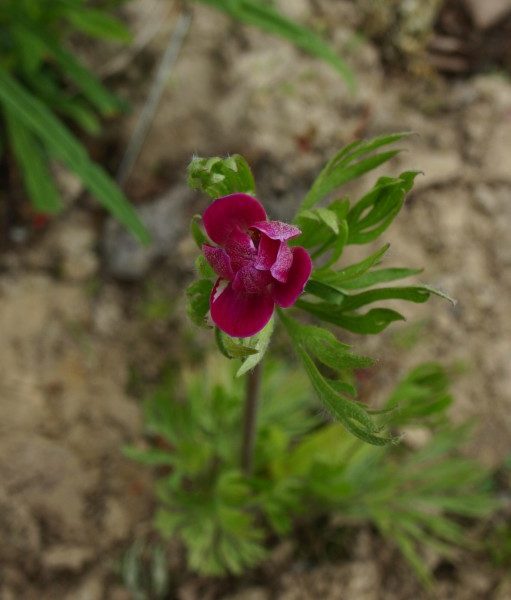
(90,319)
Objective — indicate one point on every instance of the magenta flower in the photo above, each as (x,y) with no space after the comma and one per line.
(256,268)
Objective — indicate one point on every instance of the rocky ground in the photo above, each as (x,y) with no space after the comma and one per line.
(85,313)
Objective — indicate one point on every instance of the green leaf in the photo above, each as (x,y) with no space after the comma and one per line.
(93,90)
(150,457)
(62,145)
(34,167)
(230,348)
(329,218)
(218,177)
(259,342)
(198,294)
(379,276)
(373,213)
(334,280)
(98,24)
(29,47)
(324,291)
(345,166)
(326,228)
(81,114)
(422,394)
(254,12)
(351,414)
(203,268)
(326,348)
(417,294)
(372,322)
(197,233)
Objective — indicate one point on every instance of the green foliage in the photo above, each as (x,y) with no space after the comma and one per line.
(351,162)
(255,12)
(42,82)
(198,294)
(335,294)
(221,176)
(305,466)
(205,499)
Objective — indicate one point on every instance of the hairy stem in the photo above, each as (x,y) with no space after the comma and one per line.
(250,419)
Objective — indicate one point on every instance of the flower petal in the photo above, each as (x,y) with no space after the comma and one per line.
(250,280)
(239,314)
(219,261)
(276,230)
(240,248)
(267,252)
(274,256)
(282,264)
(231,212)
(286,294)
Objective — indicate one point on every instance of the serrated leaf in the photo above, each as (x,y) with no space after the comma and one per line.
(372,322)
(260,342)
(62,145)
(345,166)
(198,294)
(324,346)
(254,12)
(218,177)
(349,413)
(320,342)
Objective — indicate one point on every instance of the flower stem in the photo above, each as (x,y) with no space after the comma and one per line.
(250,419)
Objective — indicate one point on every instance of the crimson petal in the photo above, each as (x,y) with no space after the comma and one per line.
(267,252)
(219,260)
(282,264)
(251,280)
(239,314)
(276,230)
(231,212)
(286,294)
(240,248)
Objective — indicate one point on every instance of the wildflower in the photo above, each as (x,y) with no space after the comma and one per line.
(255,266)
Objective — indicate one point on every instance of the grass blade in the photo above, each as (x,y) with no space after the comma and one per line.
(63,146)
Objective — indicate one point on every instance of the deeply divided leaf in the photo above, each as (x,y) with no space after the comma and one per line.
(218,177)
(198,294)
(311,341)
(351,162)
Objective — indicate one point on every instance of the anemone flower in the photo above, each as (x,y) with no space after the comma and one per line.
(255,266)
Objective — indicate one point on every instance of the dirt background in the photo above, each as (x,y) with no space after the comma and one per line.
(85,313)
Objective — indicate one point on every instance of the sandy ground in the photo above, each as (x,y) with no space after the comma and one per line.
(72,332)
